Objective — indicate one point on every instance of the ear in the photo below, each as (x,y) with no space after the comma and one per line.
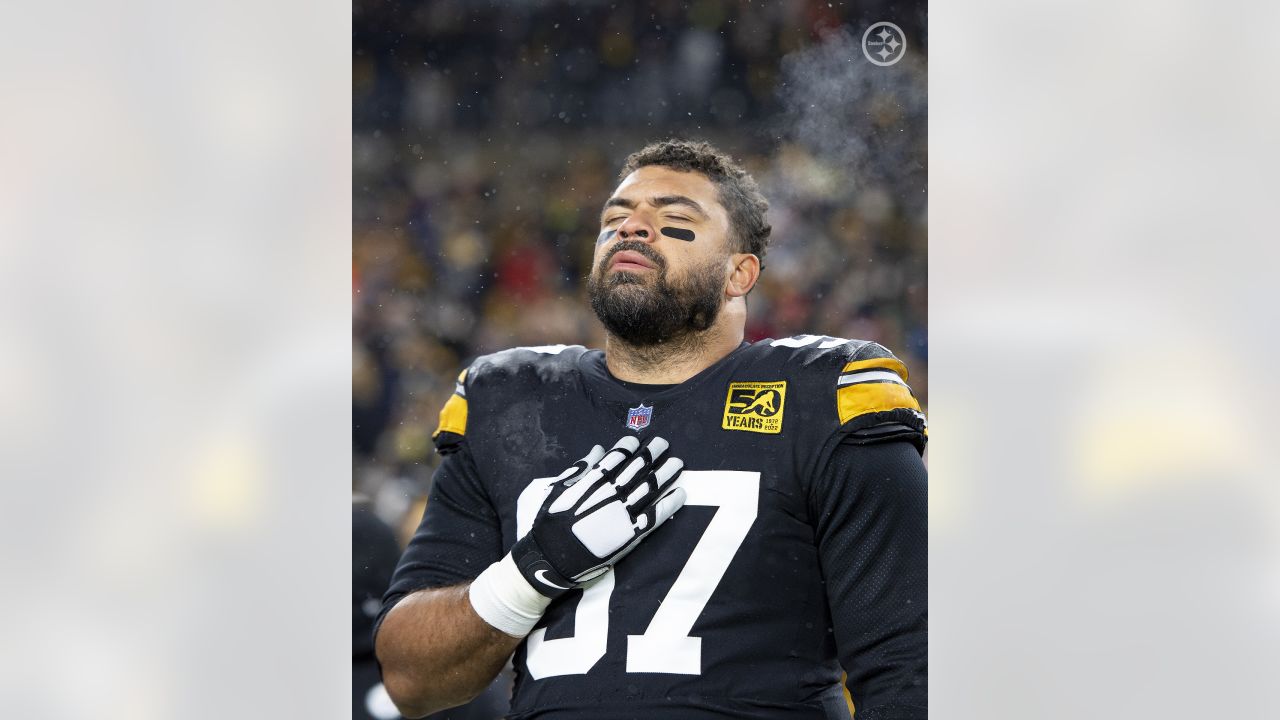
(744,270)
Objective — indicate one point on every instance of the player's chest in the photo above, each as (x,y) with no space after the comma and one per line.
(530,443)
(728,426)
(743,528)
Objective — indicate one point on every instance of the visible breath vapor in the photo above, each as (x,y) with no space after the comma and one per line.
(866,124)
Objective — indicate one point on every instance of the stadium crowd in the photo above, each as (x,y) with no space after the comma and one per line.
(487,137)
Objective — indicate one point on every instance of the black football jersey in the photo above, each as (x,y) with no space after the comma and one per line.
(724,611)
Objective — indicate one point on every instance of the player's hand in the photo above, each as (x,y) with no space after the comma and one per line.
(596,512)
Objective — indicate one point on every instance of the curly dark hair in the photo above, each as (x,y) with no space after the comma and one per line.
(737,190)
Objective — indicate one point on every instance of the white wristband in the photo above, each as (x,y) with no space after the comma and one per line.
(504,599)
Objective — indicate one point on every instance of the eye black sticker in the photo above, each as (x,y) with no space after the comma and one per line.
(605,235)
(678,233)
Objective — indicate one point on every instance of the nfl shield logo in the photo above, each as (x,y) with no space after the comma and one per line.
(638,417)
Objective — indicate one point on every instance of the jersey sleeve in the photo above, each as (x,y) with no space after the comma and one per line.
(873,401)
(870,506)
(460,534)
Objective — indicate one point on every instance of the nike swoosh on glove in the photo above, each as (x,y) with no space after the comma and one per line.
(596,512)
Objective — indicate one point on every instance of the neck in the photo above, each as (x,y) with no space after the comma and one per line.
(679,358)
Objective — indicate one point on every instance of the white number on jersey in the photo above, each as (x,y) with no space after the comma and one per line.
(665,646)
(800,341)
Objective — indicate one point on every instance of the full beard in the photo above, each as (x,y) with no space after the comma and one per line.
(644,312)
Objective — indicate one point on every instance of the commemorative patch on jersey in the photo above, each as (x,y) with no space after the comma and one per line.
(755,406)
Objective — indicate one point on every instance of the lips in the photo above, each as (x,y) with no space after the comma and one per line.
(630,260)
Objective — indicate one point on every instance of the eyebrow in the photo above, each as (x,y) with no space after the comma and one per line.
(661,201)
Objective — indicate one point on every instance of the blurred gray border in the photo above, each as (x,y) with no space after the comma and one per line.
(1104,503)
(175,260)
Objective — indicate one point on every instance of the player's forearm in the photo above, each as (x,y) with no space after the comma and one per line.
(439,648)
(436,652)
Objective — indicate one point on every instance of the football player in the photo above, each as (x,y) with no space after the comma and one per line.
(683,525)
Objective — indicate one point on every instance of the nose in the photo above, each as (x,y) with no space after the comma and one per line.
(636,227)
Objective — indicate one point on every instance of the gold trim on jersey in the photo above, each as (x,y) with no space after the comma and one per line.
(881,363)
(868,397)
(453,416)
(860,397)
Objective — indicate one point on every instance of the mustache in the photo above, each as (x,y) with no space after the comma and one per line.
(636,247)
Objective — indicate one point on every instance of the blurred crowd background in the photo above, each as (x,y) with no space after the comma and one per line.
(488,135)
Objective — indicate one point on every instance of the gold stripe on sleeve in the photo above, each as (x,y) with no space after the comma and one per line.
(453,416)
(882,363)
(862,398)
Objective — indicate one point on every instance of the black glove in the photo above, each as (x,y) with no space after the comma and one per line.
(596,512)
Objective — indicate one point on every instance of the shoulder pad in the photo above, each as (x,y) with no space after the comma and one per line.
(543,364)
(506,369)
(822,349)
(872,399)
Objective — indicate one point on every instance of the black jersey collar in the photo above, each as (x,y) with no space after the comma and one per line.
(602,383)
